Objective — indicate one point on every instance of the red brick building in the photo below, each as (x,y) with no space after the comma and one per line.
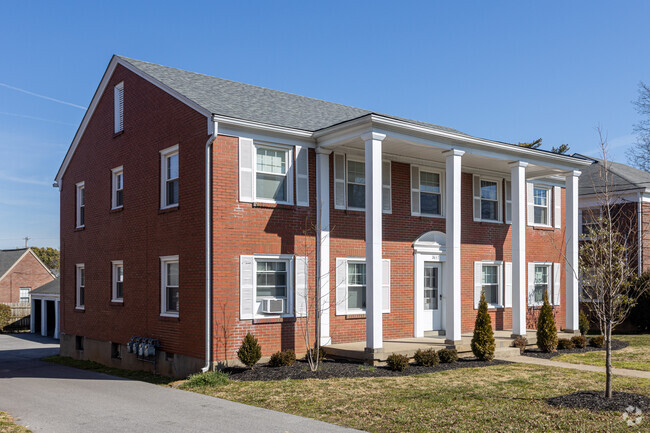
(20,272)
(196,209)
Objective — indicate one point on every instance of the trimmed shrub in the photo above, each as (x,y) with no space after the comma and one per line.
(426,358)
(583,323)
(280,359)
(483,345)
(250,351)
(546,329)
(579,341)
(448,356)
(5,316)
(520,342)
(564,344)
(397,362)
(598,341)
(211,378)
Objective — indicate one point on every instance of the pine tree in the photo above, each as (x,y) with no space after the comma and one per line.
(483,340)
(546,329)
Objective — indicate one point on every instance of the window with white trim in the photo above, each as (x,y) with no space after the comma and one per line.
(427,188)
(542,205)
(81,205)
(272,178)
(488,279)
(169,286)
(24,294)
(487,199)
(351,286)
(169,171)
(542,281)
(118,102)
(350,183)
(117,190)
(80,295)
(356,286)
(117,294)
(272,279)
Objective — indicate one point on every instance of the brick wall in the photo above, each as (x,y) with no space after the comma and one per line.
(28,272)
(139,233)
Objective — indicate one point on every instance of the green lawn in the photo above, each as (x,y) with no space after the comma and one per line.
(505,398)
(7,425)
(636,356)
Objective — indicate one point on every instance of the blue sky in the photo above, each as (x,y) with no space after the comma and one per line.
(510,71)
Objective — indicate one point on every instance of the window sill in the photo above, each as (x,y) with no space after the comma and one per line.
(80,228)
(168,209)
(270,205)
(543,228)
(117,302)
(117,134)
(488,221)
(117,209)
(496,307)
(354,316)
(422,215)
(80,309)
(264,321)
(168,316)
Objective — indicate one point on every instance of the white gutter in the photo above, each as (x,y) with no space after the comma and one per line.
(213,130)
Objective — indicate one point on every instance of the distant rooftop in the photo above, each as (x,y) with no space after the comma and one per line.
(622,177)
(8,258)
(51,288)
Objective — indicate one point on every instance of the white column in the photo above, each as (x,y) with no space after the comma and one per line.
(572,234)
(323,200)
(44,318)
(57,317)
(519,288)
(453,220)
(374,331)
(32,318)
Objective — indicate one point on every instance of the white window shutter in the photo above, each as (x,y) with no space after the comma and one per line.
(341,287)
(301,286)
(302,176)
(507,302)
(246,287)
(557,278)
(530,200)
(477,198)
(557,203)
(508,196)
(118,102)
(246,169)
(385,286)
(478,280)
(386,195)
(339,181)
(531,284)
(415,190)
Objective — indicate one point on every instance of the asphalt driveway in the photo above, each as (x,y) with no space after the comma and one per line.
(53,398)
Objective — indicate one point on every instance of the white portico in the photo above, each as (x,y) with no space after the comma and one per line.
(362,152)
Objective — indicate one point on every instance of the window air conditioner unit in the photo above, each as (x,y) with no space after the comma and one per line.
(273,306)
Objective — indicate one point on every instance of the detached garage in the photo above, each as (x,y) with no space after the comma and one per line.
(45,309)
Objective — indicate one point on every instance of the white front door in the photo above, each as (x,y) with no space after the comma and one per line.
(432,296)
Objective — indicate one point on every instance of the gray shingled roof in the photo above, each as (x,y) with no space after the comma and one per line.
(8,258)
(622,177)
(258,104)
(51,288)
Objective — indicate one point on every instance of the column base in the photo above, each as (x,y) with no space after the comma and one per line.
(451,344)
(572,331)
(517,335)
(373,350)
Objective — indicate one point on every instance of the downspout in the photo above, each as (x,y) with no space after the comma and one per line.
(213,130)
(639,229)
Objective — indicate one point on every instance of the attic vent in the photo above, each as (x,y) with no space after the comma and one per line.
(119,107)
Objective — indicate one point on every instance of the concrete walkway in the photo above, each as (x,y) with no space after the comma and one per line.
(52,398)
(582,367)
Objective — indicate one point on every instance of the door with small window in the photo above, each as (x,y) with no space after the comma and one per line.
(432,296)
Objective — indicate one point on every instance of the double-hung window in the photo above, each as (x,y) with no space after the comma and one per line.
(490,283)
(118,281)
(490,279)
(356,176)
(350,183)
(271,288)
(271,173)
(542,283)
(351,285)
(169,177)
(542,205)
(169,286)
(81,287)
(24,294)
(356,286)
(487,199)
(81,205)
(426,192)
(117,190)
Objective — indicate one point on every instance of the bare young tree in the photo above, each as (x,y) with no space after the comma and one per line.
(608,261)
(639,155)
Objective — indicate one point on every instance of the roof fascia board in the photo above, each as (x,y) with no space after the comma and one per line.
(631,195)
(115,60)
(262,135)
(247,125)
(15,263)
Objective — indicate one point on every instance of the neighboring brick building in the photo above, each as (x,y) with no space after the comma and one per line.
(20,272)
(629,192)
(289,178)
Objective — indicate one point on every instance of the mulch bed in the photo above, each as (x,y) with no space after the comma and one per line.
(331,369)
(596,401)
(536,353)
